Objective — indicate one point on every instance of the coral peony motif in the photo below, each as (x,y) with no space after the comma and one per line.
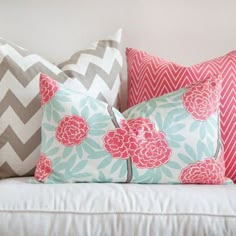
(117,142)
(140,125)
(72,130)
(43,168)
(152,150)
(201,100)
(208,171)
(48,88)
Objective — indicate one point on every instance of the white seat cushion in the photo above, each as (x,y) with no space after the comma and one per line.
(115,209)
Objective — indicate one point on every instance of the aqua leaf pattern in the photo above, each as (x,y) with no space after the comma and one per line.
(168,121)
(173,165)
(185,158)
(177,137)
(97,132)
(48,111)
(57,105)
(190,151)
(172,143)
(99,126)
(83,175)
(49,143)
(181,117)
(98,118)
(56,116)
(80,166)
(116,166)
(170,105)
(202,130)
(70,162)
(74,111)
(210,147)
(98,154)
(145,178)
(123,170)
(194,126)
(104,163)
(92,143)
(85,113)
(159,121)
(67,151)
(79,151)
(174,129)
(48,127)
(53,151)
(166,171)
(157,175)
(87,148)
(63,98)
(209,129)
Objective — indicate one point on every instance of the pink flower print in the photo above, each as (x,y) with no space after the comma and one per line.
(208,171)
(43,168)
(48,88)
(152,150)
(72,130)
(117,142)
(202,99)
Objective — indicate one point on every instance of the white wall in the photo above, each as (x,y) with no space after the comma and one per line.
(186,31)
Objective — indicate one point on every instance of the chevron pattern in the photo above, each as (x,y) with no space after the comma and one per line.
(150,76)
(97,72)
(20,113)
(98,69)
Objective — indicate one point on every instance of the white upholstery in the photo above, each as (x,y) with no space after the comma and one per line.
(115,209)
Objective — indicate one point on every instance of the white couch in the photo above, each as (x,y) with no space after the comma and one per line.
(115,209)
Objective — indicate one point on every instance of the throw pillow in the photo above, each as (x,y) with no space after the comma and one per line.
(171,139)
(150,76)
(98,69)
(20,114)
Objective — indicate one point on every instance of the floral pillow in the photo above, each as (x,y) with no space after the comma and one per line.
(170,139)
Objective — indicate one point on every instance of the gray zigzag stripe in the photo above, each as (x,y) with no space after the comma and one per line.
(99,51)
(24,113)
(94,70)
(25,77)
(23,150)
(6,171)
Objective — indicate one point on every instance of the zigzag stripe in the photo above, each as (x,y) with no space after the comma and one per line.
(24,113)
(91,73)
(9,82)
(23,150)
(85,60)
(23,131)
(150,76)
(23,62)
(20,167)
(26,76)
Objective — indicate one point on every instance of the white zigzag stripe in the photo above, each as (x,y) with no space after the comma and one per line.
(25,62)
(10,118)
(94,90)
(82,64)
(24,94)
(20,167)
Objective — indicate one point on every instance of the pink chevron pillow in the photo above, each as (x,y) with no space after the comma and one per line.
(150,76)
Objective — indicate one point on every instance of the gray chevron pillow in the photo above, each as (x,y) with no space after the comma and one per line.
(20,113)
(97,69)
